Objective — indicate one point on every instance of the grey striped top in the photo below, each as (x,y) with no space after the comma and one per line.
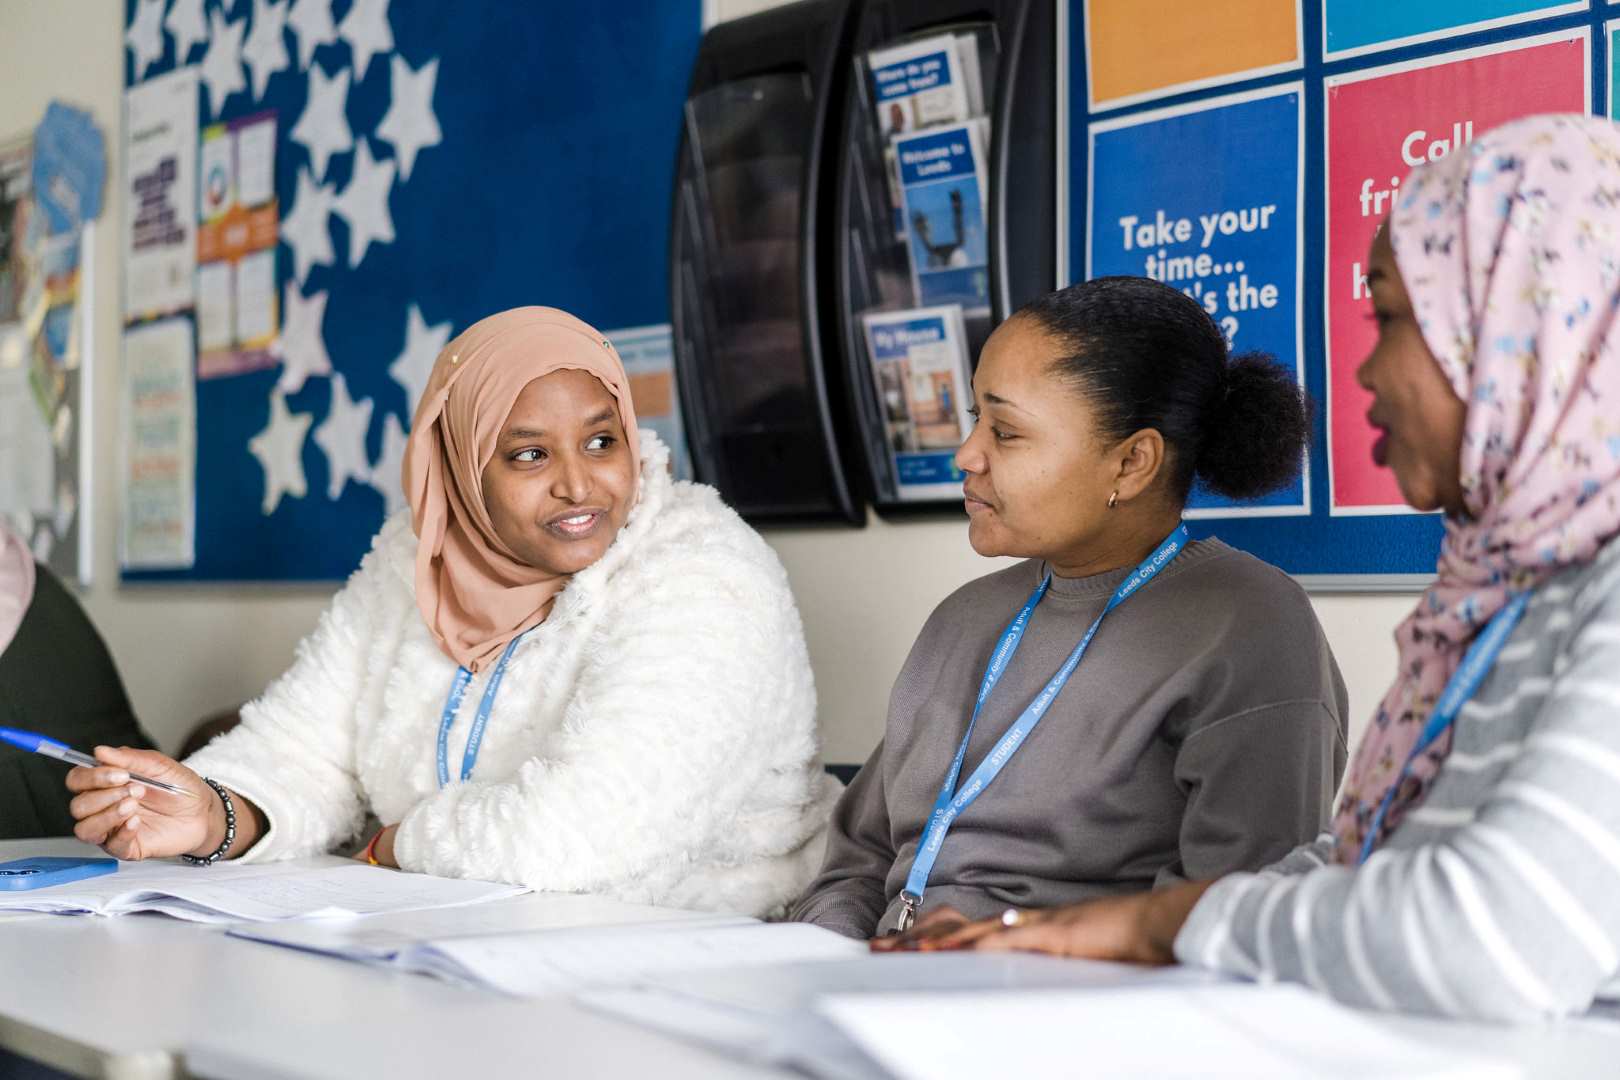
(1497,898)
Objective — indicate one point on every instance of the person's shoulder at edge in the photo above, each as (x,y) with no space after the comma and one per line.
(1253,625)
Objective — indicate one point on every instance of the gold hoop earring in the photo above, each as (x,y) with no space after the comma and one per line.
(1113,500)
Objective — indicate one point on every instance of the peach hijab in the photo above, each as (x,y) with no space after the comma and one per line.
(472,591)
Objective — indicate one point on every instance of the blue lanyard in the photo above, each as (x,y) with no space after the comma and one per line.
(458,690)
(1476,664)
(952,801)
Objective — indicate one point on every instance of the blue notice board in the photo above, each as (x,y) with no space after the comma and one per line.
(457,162)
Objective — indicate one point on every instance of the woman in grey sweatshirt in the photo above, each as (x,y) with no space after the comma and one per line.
(1473,874)
(1201,731)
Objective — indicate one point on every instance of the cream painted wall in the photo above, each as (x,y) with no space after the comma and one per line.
(186,652)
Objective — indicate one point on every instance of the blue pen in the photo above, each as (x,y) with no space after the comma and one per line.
(39,744)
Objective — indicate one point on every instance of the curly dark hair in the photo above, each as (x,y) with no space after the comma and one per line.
(1146,355)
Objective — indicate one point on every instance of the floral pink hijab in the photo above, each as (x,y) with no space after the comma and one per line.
(1511,255)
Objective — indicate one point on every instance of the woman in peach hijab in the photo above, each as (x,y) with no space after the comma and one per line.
(561,668)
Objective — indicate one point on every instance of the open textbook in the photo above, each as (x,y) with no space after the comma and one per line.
(570,959)
(259,892)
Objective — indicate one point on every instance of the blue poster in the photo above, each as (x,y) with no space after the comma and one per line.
(1207,198)
(1357,26)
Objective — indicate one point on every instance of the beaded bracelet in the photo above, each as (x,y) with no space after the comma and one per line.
(230,828)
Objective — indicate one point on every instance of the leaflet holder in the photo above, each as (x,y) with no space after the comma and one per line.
(1010,48)
(751,286)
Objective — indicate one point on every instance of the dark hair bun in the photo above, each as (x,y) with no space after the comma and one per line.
(1256,432)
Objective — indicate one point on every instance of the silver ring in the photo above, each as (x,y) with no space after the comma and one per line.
(1012,917)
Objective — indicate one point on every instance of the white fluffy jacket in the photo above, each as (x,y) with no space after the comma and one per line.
(654,739)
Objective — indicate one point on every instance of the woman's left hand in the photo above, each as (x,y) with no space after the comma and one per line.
(1137,929)
(382,849)
(931,927)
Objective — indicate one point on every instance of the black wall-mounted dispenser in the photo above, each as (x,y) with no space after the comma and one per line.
(754,314)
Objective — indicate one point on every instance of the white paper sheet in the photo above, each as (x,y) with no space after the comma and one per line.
(27,459)
(568,959)
(160,195)
(572,960)
(216,304)
(256,163)
(768,1014)
(158,523)
(1236,1030)
(294,889)
(256,297)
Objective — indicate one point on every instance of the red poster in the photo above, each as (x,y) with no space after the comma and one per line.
(1380,124)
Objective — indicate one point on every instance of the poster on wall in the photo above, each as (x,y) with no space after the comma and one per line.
(158,517)
(648,355)
(238,225)
(1356,27)
(160,194)
(51,187)
(1228,234)
(1379,125)
(1137,50)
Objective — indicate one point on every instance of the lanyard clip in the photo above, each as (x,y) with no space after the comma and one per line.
(908,912)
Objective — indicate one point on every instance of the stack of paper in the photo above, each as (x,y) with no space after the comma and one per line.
(1235,1030)
(267,892)
(768,1015)
(568,960)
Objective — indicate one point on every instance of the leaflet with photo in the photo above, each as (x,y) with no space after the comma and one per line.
(920,370)
(920,83)
(942,184)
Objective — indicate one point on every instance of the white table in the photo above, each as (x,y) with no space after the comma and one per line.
(147,996)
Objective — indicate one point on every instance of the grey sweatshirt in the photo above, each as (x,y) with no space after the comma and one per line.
(1202,733)
(1496,898)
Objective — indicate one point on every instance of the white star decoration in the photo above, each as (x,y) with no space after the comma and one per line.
(301,348)
(304,229)
(188,26)
(145,36)
(409,123)
(423,343)
(364,203)
(366,30)
(222,63)
(322,127)
(386,470)
(280,449)
(342,435)
(311,20)
(265,51)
